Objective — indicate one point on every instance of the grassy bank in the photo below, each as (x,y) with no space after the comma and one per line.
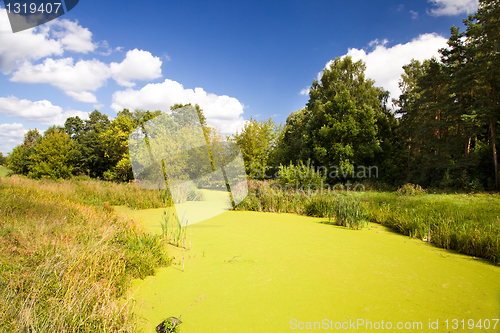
(98,192)
(469,224)
(66,265)
(3,171)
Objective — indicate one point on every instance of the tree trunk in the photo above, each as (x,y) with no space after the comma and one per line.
(493,144)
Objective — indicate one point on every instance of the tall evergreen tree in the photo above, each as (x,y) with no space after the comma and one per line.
(483,35)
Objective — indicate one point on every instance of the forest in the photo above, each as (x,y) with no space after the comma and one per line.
(440,133)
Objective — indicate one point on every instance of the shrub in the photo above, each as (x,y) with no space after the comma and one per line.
(411,189)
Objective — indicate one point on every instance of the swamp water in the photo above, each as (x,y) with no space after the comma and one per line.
(257,272)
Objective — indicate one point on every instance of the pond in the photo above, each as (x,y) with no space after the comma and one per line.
(268,272)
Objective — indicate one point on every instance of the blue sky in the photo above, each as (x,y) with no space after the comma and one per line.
(236,59)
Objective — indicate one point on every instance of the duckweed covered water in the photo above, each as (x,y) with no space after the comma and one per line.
(266,272)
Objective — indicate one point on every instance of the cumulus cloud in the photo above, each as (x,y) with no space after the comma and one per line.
(40,111)
(137,65)
(79,80)
(221,111)
(72,36)
(10,136)
(452,7)
(14,130)
(23,46)
(414,14)
(305,91)
(47,40)
(74,79)
(384,64)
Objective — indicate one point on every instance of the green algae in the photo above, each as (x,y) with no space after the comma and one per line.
(255,272)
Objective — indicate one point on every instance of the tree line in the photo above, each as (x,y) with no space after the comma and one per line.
(441,132)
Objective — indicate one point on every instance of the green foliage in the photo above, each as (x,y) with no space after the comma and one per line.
(3,159)
(344,107)
(169,325)
(258,141)
(19,159)
(53,156)
(89,156)
(4,172)
(302,175)
(346,122)
(449,108)
(346,209)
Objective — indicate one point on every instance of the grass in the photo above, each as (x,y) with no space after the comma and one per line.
(345,209)
(65,265)
(98,192)
(467,223)
(4,171)
(174,230)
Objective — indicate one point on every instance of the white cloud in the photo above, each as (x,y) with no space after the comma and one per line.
(137,65)
(305,91)
(11,135)
(376,42)
(452,7)
(72,36)
(34,44)
(107,50)
(14,130)
(60,119)
(74,79)
(40,111)
(221,111)
(414,14)
(86,76)
(384,64)
(25,45)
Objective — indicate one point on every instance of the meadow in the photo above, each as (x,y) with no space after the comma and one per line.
(3,171)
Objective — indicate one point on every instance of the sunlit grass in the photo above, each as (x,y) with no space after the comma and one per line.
(4,171)
(66,265)
(467,223)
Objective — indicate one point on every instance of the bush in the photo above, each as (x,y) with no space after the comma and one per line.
(411,189)
(300,175)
